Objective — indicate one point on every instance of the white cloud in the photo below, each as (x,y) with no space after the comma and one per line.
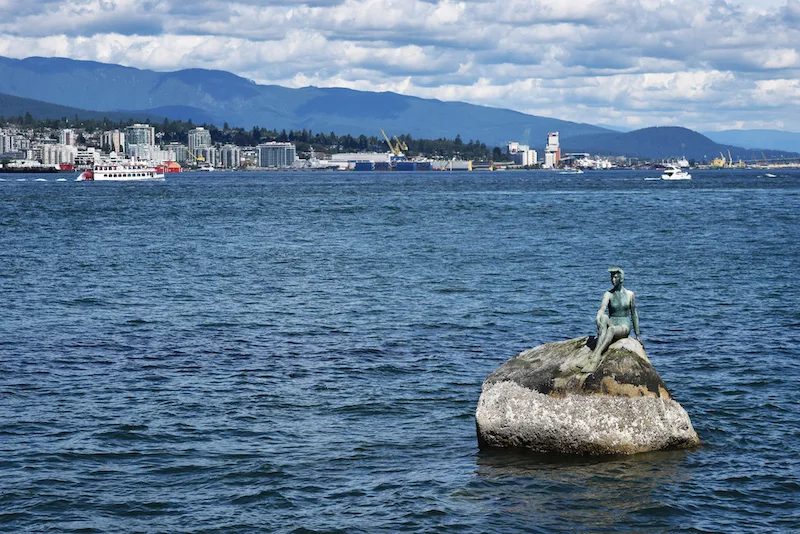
(629,62)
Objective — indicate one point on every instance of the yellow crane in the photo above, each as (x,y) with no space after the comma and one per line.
(730,159)
(394,148)
(401,144)
(196,158)
(720,162)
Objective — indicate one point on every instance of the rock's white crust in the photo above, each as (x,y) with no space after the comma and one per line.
(509,415)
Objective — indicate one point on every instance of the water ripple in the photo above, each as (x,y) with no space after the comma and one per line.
(304,352)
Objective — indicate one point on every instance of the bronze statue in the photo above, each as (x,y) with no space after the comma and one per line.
(622,315)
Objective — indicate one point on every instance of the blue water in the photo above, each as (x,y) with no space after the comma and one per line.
(290,352)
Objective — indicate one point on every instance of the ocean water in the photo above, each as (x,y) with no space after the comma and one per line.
(303,352)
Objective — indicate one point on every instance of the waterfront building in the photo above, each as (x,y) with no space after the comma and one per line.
(56,154)
(7,142)
(199,138)
(451,165)
(249,157)
(114,140)
(354,157)
(67,137)
(526,158)
(22,142)
(151,153)
(552,151)
(12,142)
(181,152)
(230,157)
(163,155)
(206,155)
(85,157)
(522,154)
(276,155)
(140,150)
(140,134)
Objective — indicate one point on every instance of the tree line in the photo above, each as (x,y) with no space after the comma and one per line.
(178,131)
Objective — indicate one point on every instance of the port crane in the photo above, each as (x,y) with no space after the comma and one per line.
(720,162)
(402,144)
(395,149)
(197,159)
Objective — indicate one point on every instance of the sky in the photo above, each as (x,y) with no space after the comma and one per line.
(704,64)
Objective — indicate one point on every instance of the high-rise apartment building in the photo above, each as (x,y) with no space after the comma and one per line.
(6,142)
(199,138)
(114,140)
(57,154)
(206,155)
(230,157)
(140,134)
(276,155)
(67,137)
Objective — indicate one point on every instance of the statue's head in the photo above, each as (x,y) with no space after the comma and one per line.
(616,270)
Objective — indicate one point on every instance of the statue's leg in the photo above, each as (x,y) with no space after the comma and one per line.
(607,334)
(604,328)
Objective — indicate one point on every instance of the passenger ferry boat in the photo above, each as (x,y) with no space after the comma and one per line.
(121,170)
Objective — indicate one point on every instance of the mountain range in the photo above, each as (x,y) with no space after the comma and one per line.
(58,87)
(772,139)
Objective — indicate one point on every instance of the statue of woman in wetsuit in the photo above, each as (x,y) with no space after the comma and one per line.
(622,315)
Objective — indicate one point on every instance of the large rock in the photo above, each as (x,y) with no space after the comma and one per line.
(544,400)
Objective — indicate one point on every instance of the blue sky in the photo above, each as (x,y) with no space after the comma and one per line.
(704,64)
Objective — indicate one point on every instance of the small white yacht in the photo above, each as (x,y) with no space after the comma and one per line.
(675,173)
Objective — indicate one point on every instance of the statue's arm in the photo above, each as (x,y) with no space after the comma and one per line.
(635,316)
(603,306)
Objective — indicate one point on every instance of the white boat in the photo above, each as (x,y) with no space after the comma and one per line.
(121,170)
(571,171)
(675,173)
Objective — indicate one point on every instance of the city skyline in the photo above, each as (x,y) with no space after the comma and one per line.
(706,65)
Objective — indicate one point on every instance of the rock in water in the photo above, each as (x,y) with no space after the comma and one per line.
(541,399)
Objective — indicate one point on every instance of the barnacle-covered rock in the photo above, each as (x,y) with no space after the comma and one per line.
(541,399)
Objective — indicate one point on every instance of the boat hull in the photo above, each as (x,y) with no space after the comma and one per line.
(154,177)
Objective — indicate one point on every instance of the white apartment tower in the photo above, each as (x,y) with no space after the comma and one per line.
(230,157)
(552,151)
(140,140)
(140,134)
(6,142)
(199,138)
(276,155)
(58,154)
(67,137)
